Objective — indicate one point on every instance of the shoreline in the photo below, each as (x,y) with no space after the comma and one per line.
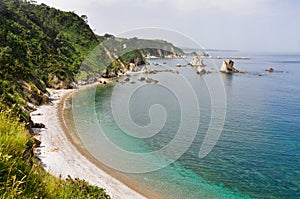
(61,155)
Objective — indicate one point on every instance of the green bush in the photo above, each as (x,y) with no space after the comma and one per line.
(22,177)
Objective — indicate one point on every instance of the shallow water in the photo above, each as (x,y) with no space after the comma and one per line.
(257,154)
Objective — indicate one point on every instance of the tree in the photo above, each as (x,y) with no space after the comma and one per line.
(85,18)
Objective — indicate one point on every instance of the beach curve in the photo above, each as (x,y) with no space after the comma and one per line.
(61,158)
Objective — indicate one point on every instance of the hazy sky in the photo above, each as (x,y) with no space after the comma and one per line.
(247,25)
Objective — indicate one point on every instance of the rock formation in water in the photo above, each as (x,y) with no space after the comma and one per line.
(270,70)
(197,61)
(201,71)
(227,67)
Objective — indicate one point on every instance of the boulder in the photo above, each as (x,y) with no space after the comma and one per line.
(38,125)
(37,142)
(227,67)
(270,70)
(201,71)
(197,61)
(141,78)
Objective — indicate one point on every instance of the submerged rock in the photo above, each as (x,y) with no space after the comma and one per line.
(227,67)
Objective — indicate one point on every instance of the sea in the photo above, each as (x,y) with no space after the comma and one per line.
(249,124)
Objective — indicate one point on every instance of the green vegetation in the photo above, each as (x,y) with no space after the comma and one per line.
(134,50)
(39,47)
(42,47)
(22,177)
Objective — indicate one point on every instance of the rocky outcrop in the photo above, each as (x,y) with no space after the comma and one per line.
(33,94)
(227,67)
(201,71)
(197,61)
(56,83)
(150,80)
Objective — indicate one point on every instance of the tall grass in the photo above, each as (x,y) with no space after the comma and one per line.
(22,177)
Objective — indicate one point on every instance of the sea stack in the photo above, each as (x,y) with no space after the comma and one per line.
(227,67)
(197,61)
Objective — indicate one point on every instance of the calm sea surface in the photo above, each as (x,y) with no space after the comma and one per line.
(258,152)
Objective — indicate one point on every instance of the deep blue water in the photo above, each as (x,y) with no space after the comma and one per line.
(258,152)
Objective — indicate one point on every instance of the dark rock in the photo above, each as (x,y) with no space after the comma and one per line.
(38,125)
(142,78)
(38,114)
(270,70)
(37,143)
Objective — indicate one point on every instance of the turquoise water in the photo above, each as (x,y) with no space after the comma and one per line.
(258,152)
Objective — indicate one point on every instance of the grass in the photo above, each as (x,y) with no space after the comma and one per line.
(22,177)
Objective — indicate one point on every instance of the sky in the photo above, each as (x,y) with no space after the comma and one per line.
(245,25)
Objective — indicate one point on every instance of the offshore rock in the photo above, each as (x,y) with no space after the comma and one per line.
(270,70)
(227,67)
(197,61)
(201,71)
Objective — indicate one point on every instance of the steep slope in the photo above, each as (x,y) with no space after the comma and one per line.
(39,47)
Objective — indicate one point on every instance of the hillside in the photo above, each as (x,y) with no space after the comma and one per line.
(114,55)
(39,47)
(42,47)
